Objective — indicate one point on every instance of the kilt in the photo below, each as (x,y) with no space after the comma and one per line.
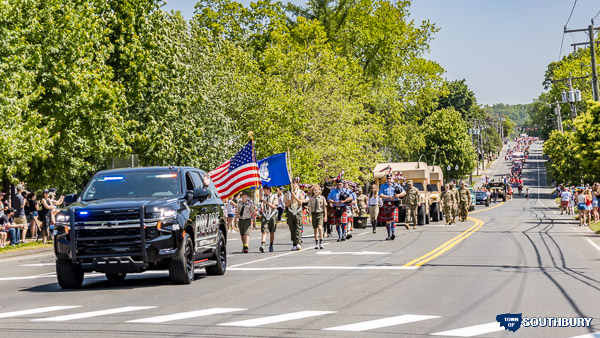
(335,220)
(388,213)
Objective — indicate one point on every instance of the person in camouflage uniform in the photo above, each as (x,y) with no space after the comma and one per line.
(412,204)
(448,203)
(454,192)
(464,201)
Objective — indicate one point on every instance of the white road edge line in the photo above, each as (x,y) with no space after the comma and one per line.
(93,314)
(277,318)
(373,267)
(593,244)
(471,331)
(379,323)
(185,315)
(36,311)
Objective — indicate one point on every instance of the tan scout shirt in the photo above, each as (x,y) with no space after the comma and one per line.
(247,212)
(292,205)
(267,211)
(317,204)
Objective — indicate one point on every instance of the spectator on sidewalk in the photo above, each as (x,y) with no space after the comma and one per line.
(44,215)
(565,195)
(18,203)
(581,207)
(14,230)
(31,210)
(588,205)
(595,197)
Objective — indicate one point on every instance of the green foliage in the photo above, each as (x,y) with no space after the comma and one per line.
(516,112)
(561,149)
(446,131)
(342,85)
(457,95)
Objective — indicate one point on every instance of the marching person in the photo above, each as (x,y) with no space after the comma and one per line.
(448,203)
(268,209)
(318,211)
(245,211)
(293,204)
(457,199)
(390,192)
(339,198)
(412,204)
(464,201)
(374,203)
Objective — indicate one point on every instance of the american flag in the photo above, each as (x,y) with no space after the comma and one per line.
(238,173)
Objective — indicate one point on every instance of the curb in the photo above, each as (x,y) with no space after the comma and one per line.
(24,252)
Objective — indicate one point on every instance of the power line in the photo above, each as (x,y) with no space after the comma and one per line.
(563,37)
(596,15)
(572,9)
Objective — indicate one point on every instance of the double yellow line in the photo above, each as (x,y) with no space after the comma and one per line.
(446,246)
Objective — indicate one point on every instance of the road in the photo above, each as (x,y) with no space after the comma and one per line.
(514,257)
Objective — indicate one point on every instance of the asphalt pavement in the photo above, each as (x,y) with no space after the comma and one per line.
(519,257)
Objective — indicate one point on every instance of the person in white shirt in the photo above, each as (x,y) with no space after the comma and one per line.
(565,196)
(374,202)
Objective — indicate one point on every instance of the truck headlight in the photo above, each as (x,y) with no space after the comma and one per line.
(62,218)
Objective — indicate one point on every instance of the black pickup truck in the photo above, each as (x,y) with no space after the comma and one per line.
(138,219)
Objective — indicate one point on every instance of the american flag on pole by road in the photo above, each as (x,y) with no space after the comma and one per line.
(238,173)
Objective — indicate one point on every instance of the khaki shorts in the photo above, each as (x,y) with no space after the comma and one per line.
(21,220)
(244,226)
(268,226)
(317,220)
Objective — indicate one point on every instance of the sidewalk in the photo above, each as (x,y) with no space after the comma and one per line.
(490,167)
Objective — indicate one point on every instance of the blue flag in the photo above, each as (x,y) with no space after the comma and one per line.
(274,171)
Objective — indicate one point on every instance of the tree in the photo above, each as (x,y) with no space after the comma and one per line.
(446,131)
(561,148)
(456,94)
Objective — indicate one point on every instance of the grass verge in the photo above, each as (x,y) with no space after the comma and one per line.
(595,227)
(25,247)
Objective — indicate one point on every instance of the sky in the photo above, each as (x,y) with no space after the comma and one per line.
(501,47)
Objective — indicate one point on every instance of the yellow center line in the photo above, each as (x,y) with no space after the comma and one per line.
(486,209)
(459,238)
(479,224)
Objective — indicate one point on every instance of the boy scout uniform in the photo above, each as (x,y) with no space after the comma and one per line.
(412,205)
(294,215)
(244,212)
(317,207)
(268,222)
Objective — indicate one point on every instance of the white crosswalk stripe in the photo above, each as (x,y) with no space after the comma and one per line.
(471,331)
(35,311)
(379,323)
(93,314)
(185,315)
(277,319)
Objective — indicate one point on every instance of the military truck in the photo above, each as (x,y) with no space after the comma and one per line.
(499,188)
(436,181)
(418,172)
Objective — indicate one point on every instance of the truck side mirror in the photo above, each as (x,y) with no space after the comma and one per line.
(201,194)
(70,199)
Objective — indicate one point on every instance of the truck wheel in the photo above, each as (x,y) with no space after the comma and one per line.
(181,267)
(115,277)
(69,275)
(427,220)
(435,212)
(420,216)
(220,257)
(504,198)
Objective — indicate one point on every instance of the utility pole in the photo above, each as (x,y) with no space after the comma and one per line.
(593,54)
(590,31)
(558,117)
(571,96)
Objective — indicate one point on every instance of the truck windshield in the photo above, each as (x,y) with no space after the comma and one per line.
(133,184)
